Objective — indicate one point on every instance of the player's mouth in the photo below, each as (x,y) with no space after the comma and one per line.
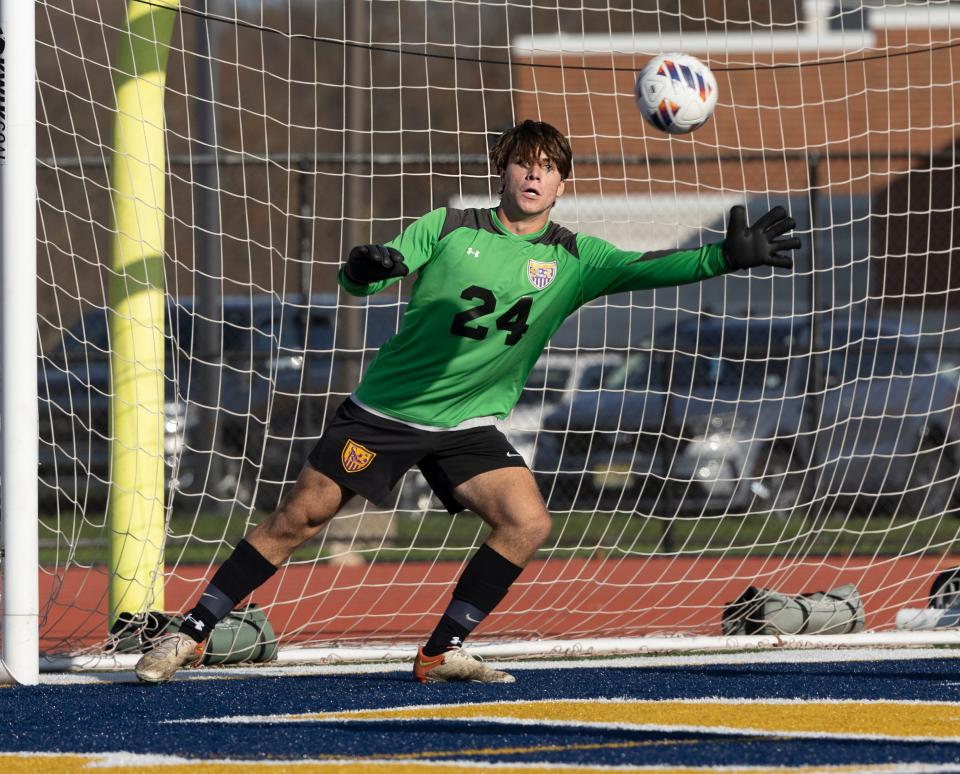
(530,193)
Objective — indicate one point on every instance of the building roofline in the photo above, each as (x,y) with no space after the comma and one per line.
(715,44)
(813,35)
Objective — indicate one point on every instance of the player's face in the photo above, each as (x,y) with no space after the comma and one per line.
(531,187)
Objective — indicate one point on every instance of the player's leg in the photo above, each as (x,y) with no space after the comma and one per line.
(509,501)
(314,499)
(358,453)
(311,503)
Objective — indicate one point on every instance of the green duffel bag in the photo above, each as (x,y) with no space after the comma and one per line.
(245,635)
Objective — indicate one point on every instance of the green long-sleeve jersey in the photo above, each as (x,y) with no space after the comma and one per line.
(484,304)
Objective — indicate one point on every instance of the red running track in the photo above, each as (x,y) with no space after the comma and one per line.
(321,603)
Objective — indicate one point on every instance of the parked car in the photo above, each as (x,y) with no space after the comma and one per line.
(237,421)
(724,416)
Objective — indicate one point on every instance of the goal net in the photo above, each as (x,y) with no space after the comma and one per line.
(204,167)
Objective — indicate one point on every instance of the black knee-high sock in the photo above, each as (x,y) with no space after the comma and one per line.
(482,585)
(245,570)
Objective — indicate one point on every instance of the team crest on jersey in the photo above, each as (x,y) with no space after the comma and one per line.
(355,457)
(541,273)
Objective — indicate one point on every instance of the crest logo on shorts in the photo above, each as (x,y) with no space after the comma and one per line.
(356,457)
(541,273)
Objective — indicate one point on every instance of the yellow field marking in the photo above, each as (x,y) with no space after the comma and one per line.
(542,748)
(901,720)
(91,764)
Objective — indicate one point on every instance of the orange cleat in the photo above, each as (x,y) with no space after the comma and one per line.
(455,665)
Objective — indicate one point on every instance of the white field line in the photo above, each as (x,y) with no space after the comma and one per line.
(122,672)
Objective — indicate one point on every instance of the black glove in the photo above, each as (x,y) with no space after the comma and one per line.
(758,245)
(372,263)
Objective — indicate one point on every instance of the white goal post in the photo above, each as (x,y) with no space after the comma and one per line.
(201,168)
(18,345)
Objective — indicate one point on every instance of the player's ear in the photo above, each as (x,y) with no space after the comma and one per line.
(560,188)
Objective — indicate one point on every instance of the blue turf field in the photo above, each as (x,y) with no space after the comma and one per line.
(819,715)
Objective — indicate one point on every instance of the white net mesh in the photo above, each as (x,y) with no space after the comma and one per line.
(794,431)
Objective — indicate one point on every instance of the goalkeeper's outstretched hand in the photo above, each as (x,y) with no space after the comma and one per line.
(372,263)
(760,244)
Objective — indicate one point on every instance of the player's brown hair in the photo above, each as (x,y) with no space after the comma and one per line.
(526,141)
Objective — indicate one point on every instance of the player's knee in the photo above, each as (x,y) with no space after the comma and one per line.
(292,520)
(538,528)
(300,516)
(307,507)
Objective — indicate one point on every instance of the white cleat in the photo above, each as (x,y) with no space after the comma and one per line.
(169,654)
(456,665)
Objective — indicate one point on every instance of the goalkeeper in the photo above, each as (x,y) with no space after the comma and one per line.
(492,286)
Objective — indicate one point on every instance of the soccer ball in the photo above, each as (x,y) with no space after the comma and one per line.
(676,93)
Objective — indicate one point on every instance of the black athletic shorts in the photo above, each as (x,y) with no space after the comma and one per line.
(369,454)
